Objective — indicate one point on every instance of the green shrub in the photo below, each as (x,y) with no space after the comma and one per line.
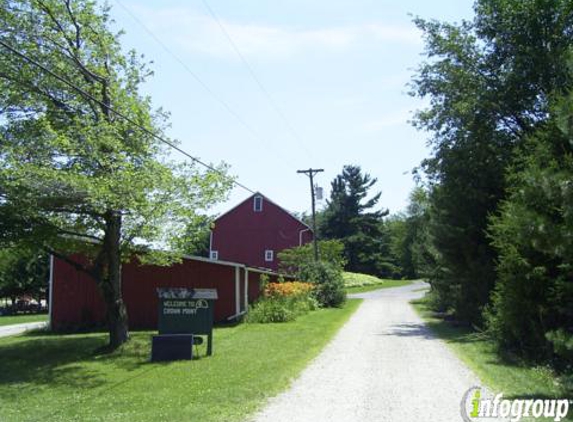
(280,309)
(283,302)
(271,310)
(292,260)
(562,343)
(329,285)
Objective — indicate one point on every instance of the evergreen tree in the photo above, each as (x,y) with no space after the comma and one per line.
(349,218)
(532,309)
(488,82)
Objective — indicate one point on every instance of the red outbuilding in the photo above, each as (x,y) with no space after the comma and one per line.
(244,245)
(75,301)
(255,231)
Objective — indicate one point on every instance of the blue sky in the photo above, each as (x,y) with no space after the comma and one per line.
(336,70)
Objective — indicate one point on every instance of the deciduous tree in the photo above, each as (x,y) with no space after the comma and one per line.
(23,271)
(488,82)
(75,177)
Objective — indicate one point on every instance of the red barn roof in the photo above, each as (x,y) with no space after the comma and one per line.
(255,231)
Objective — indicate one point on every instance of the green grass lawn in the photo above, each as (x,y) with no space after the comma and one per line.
(384,285)
(21,319)
(478,353)
(360,283)
(47,377)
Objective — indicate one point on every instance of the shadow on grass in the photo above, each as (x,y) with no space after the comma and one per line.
(40,358)
(49,361)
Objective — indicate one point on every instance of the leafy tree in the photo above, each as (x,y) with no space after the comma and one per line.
(409,238)
(23,271)
(196,237)
(75,178)
(293,259)
(488,82)
(531,313)
(400,245)
(348,218)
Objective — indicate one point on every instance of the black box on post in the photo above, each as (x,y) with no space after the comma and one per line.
(168,347)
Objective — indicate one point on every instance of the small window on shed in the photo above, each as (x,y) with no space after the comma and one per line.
(269,255)
(214,254)
(258,203)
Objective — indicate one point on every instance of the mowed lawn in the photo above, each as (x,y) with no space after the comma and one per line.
(47,377)
(21,319)
(360,283)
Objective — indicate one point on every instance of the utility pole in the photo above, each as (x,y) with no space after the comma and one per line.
(310,173)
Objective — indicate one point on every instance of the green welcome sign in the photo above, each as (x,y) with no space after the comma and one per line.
(187,311)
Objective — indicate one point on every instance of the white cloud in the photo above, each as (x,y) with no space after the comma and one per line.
(199,33)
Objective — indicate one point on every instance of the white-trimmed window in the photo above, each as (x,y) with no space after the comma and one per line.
(214,255)
(269,255)
(258,203)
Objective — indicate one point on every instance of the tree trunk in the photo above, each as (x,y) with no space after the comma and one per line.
(110,282)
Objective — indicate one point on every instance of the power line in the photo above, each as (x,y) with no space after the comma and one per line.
(219,99)
(119,114)
(257,79)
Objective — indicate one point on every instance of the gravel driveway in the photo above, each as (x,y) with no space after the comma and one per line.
(383,365)
(10,330)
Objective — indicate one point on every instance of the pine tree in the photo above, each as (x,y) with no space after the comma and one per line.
(349,217)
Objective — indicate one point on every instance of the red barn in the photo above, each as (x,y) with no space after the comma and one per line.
(254,232)
(75,301)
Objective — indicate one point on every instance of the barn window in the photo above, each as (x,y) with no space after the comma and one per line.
(214,254)
(258,203)
(269,255)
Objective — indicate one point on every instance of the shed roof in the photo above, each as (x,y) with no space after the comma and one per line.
(182,293)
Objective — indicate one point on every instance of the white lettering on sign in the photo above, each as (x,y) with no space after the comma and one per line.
(184,307)
(192,304)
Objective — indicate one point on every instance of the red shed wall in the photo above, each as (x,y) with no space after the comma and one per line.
(76,300)
(242,235)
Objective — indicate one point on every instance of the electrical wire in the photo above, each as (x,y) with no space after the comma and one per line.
(257,80)
(119,114)
(220,100)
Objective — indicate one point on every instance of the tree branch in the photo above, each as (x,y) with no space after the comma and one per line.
(81,235)
(75,23)
(76,265)
(88,74)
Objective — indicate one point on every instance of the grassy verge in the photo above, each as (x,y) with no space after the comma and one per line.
(358,279)
(21,319)
(62,378)
(478,353)
(382,285)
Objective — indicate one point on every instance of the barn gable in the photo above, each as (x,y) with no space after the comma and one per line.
(255,231)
